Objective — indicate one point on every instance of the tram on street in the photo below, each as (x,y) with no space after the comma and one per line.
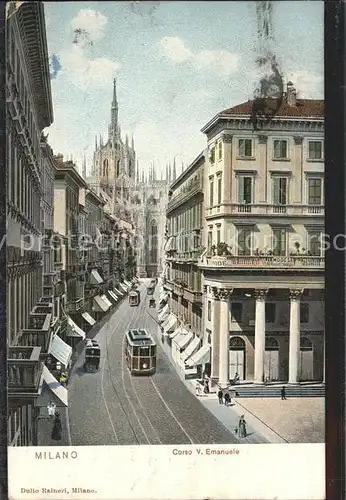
(140,352)
(134,298)
(92,356)
(150,289)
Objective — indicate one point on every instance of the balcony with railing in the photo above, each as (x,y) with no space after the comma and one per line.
(192,188)
(39,331)
(75,305)
(299,262)
(266,210)
(24,370)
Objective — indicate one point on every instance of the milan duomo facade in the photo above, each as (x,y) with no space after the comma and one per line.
(139,197)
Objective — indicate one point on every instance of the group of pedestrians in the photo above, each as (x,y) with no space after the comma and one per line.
(202,387)
(224,397)
(55,416)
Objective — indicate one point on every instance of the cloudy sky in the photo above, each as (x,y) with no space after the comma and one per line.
(177,64)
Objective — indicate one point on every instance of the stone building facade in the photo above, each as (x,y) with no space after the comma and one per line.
(264,264)
(28,112)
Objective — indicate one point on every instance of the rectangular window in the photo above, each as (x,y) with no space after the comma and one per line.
(279,242)
(280,191)
(220,150)
(244,189)
(270,312)
(209,310)
(315,150)
(245,148)
(211,192)
(315,191)
(304,312)
(210,239)
(218,235)
(244,241)
(236,312)
(314,243)
(212,155)
(280,149)
(219,190)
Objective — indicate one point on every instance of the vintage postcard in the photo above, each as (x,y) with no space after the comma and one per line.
(165,250)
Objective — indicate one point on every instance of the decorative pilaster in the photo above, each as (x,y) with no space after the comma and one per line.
(294,342)
(260,296)
(227,138)
(262,139)
(215,337)
(298,140)
(224,337)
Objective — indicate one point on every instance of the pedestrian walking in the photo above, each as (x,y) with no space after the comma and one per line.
(206,387)
(198,389)
(57,428)
(51,409)
(227,399)
(242,427)
(283,393)
(220,396)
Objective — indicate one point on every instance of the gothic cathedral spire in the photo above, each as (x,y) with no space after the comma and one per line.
(113,129)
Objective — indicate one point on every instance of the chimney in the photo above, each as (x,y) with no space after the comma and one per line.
(291,94)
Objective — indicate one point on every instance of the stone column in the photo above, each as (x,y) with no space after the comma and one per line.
(215,336)
(294,343)
(260,335)
(224,337)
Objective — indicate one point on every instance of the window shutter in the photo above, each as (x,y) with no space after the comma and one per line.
(276,149)
(240,189)
(276,190)
(241,145)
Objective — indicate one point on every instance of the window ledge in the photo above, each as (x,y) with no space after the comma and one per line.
(281,159)
(247,158)
(315,160)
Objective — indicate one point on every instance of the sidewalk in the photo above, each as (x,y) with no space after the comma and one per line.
(45,427)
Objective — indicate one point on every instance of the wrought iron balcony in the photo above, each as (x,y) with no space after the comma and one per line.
(265,209)
(75,305)
(24,370)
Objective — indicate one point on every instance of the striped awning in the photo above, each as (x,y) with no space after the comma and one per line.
(99,304)
(60,350)
(51,390)
(170,324)
(123,286)
(127,283)
(95,278)
(201,357)
(121,294)
(163,313)
(106,301)
(191,349)
(183,340)
(164,297)
(113,296)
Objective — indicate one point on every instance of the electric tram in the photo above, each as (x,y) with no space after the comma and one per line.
(92,356)
(140,352)
(134,297)
(150,290)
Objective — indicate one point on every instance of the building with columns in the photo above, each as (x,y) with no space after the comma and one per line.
(263,267)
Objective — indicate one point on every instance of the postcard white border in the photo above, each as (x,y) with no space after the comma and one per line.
(254,472)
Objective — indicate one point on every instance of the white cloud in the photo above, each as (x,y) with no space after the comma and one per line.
(86,73)
(222,61)
(91,21)
(174,49)
(308,85)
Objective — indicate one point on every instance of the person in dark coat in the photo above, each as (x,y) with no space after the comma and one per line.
(220,396)
(283,393)
(57,428)
(227,399)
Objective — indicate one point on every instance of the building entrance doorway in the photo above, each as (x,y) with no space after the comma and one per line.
(271,359)
(236,358)
(306,365)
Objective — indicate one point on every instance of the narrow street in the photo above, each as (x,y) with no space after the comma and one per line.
(112,407)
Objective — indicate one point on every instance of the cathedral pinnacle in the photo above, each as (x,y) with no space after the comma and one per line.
(113,127)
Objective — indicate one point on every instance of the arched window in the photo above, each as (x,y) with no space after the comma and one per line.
(271,344)
(305,344)
(105,168)
(236,343)
(153,242)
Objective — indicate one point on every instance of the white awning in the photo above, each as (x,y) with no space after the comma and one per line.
(164,297)
(121,294)
(168,244)
(176,332)
(183,340)
(107,301)
(60,350)
(52,390)
(112,294)
(166,320)
(123,287)
(99,304)
(95,278)
(201,357)
(88,318)
(164,311)
(170,323)
(73,330)
(127,283)
(191,349)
